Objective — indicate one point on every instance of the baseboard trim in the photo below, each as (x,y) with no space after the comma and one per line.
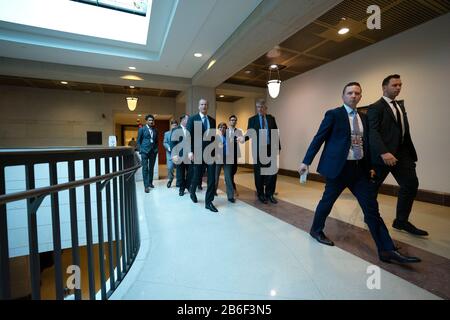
(434,197)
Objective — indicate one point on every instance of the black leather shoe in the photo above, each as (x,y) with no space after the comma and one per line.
(147,190)
(151,186)
(232,200)
(408,227)
(169,184)
(200,188)
(215,194)
(322,238)
(395,256)
(194,198)
(272,199)
(211,207)
(262,199)
(181,193)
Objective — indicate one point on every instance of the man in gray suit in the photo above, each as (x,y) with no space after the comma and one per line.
(147,144)
(166,142)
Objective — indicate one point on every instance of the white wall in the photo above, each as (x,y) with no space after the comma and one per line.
(48,117)
(420,56)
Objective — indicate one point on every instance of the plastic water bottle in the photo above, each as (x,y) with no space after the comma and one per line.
(303,177)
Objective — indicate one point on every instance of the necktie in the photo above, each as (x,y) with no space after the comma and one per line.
(204,124)
(224,141)
(357,148)
(263,121)
(397,112)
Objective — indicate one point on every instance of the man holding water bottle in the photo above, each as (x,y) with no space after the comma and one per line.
(345,164)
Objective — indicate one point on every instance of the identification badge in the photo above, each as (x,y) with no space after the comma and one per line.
(357,140)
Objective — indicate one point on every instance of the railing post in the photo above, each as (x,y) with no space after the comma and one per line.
(100,231)
(56,227)
(112,282)
(116,221)
(35,268)
(74,224)
(88,218)
(124,240)
(5,289)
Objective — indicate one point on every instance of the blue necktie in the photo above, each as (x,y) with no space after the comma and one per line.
(204,124)
(224,141)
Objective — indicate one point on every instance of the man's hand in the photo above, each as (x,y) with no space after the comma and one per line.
(302,169)
(191,156)
(241,139)
(389,159)
(175,158)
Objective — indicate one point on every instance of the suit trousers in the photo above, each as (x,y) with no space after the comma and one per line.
(170,167)
(234,167)
(148,165)
(354,178)
(404,173)
(227,171)
(184,175)
(265,184)
(197,175)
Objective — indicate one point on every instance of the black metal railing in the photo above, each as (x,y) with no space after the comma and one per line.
(113,254)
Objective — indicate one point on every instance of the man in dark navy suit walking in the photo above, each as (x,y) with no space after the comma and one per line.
(147,144)
(345,163)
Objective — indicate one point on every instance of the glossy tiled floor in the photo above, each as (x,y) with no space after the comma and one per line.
(188,252)
(433,218)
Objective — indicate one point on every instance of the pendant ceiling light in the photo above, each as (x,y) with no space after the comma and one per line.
(273,85)
(132,103)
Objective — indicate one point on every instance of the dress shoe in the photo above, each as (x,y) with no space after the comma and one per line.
(151,186)
(408,227)
(211,207)
(262,199)
(232,200)
(215,194)
(272,199)
(200,188)
(322,238)
(395,256)
(194,198)
(147,190)
(169,184)
(181,193)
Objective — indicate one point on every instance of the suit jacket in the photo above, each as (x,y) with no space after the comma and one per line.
(190,128)
(166,143)
(146,144)
(385,133)
(253,123)
(334,131)
(178,137)
(235,143)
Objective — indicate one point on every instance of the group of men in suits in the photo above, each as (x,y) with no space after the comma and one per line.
(359,151)
(186,144)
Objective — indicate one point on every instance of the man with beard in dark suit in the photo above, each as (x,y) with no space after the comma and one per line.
(393,151)
(147,144)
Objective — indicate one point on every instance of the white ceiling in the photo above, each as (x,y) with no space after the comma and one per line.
(178,29)
(233,32)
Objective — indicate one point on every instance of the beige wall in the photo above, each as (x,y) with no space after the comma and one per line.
(47,117)
(420,56)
